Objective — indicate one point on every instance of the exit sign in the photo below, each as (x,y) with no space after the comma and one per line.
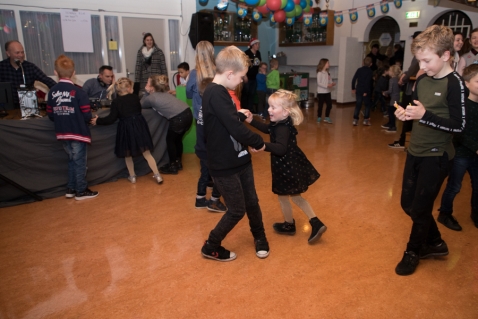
(412,15)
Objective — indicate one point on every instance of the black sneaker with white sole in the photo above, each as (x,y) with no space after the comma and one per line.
(86,194)
(262,247)
(220,253)
(70,193)
(396,144)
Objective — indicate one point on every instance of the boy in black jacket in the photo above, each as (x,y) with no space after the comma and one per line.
(362,83)
(229,162)
(69,107)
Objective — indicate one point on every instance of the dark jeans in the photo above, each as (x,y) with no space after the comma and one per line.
(248,93)
(327,99)
(358,105)
(178,126)
(422,179)
(380,99)
(391,116)
(453,186)
(204,180)
(407,125)
(76,165)
(240,196)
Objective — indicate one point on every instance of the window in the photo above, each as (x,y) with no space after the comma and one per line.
(112,33)
(44,43)
(457,21)
(8,27)
(174,44)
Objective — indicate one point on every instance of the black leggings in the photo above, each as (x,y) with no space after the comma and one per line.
(327,98)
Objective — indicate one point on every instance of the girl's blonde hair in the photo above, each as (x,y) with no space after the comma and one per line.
(395,71)
(122,86)
(288,101)
(205,65)
(321,65)
(160,83)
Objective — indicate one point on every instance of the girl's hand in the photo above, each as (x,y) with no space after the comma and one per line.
(93,120)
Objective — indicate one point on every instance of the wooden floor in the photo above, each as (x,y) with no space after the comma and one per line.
(134,251)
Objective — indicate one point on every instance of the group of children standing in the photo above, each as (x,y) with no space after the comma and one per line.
(267,83)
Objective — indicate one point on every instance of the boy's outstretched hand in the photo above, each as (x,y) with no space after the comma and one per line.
(248,115)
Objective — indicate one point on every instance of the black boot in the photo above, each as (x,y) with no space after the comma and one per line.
(168,169)
(285,228)
(318,228)
(179,165)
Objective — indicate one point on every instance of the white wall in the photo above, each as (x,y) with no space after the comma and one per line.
(162,7)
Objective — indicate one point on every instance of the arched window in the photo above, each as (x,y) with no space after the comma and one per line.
(457,21)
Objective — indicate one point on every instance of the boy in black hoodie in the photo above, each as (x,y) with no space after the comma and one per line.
(229,162)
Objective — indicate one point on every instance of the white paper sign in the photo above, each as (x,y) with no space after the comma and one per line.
(76,31)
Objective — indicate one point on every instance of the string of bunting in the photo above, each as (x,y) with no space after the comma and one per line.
(353,13)
(289,11)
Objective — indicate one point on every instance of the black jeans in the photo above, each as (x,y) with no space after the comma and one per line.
(407,125)
(204,180)
(327,98)
(422,180)
(178,126)
(240,196)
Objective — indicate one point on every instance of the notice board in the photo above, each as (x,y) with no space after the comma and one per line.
(76,31)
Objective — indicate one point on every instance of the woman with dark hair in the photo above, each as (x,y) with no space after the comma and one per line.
(149,61)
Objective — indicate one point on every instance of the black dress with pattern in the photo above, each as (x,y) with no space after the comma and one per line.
(292,172)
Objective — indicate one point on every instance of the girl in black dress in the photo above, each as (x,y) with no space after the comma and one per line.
(292,173)
(133,137)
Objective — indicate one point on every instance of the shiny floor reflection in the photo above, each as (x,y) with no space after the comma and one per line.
(134,251)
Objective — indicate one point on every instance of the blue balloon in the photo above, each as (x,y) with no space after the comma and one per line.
(202,1)
(303,4)
(251,2)
(289,6)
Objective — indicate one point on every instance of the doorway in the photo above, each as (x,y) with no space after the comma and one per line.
(133,32)
(386,33)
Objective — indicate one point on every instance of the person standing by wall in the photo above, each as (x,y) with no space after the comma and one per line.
(149,61)
(250,85)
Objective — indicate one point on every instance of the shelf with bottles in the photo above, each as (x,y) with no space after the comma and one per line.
(299,34)
(230,29)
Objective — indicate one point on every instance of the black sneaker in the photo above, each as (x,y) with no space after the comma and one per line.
(220,253)
(396,144)
(70,193)
(168,169)
(201,203)
(318,228)
(449,221)
(285,228)
(86,194)
(262,247)
(216,206)
(408,264)
(440,249)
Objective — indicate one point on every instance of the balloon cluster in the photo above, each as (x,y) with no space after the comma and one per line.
(280,10)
